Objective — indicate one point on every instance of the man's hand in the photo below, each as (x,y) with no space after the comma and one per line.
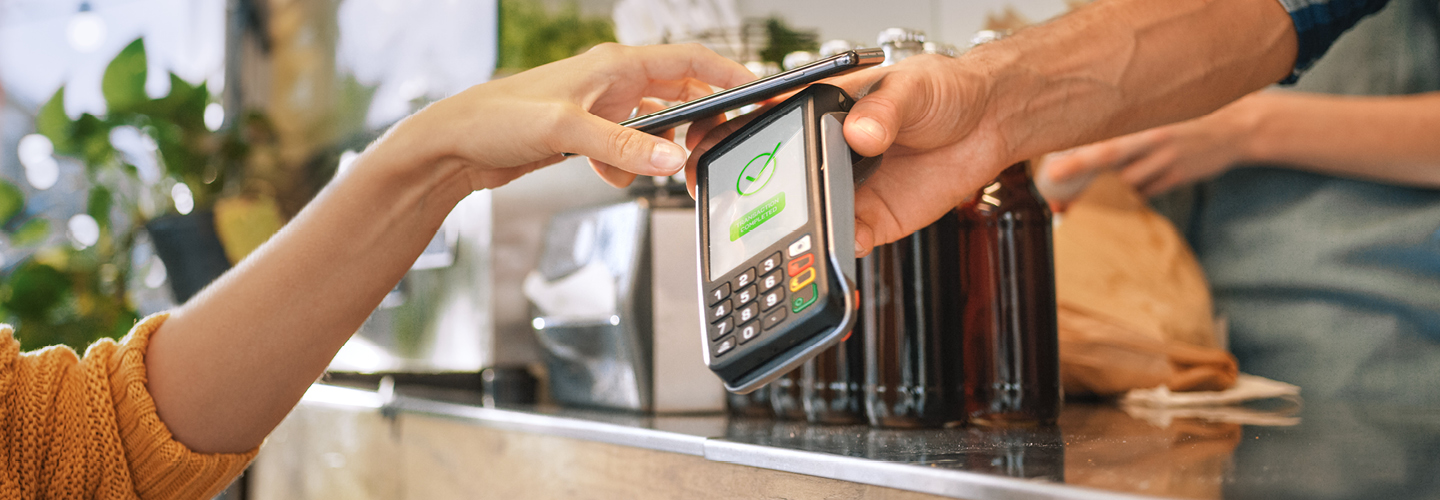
(927,114)
(1110,68)
(924,114)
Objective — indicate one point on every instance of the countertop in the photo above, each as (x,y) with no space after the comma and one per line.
(1284,449)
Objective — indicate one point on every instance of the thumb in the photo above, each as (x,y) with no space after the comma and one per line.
(876,119)
(872,125)
(623,147)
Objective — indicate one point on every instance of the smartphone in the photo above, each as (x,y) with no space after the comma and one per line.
(775,213)
(756,91)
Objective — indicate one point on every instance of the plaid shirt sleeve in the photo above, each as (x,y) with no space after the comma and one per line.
(1319,22)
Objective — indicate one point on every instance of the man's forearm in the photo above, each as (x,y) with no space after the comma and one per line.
(1391,139)
(1120,66)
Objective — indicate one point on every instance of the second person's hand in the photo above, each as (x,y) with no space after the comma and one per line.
(1163,158)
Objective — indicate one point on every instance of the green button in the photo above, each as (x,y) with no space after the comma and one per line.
(803,299)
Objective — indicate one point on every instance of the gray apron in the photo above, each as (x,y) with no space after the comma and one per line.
(1327,282)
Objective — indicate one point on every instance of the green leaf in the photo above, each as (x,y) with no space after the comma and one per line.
(12,201)
(531,34)
(784,40)
(124,82)
(185,105)
(99,205)
(35,289)
(124,321)
(54,124)
(92,141)
(32,232)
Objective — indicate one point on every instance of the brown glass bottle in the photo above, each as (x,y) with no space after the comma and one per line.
(785,397)
(1011,351)
(913,374)
(834,381)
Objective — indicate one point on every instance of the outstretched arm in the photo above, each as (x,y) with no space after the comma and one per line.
(1388,139)
(947,126)
(231,363)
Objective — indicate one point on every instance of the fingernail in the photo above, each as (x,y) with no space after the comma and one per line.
(871,128)
(667,157)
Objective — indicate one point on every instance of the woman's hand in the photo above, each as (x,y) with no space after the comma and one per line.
(502,129)
(230,364)
(1163,158)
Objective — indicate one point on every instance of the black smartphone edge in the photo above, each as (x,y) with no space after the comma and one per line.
(756,91)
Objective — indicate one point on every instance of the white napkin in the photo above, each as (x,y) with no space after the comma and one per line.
(1160,406)
(1247,388)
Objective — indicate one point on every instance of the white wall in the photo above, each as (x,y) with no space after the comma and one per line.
(860,20)
(952,21)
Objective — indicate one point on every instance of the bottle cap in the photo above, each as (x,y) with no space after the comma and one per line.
(833,47)
(892,36)
(985,36)
(797,59)
(943,49)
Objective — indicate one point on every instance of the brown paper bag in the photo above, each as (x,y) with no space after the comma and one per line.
(1134,307)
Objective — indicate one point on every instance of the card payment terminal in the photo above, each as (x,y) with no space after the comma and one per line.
(775,206)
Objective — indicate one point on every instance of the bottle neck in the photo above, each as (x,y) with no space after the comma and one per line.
(1011,190)
(1015,175)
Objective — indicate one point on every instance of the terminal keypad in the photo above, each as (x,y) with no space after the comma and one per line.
(781,284)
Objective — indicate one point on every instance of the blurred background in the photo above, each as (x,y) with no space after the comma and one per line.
(148,145)
(132,130)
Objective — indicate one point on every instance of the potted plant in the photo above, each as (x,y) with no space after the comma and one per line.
(177,167)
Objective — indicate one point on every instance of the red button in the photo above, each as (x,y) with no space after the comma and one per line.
(801,263)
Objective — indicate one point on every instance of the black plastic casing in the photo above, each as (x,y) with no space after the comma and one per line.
(830,185)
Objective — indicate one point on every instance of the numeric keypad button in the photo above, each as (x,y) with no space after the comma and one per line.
(745,295)
(745,278)
(720,311)
(771,280)
(722,328)
(747,313)
(773,298)
(748,331)
(771,263)
(718,294)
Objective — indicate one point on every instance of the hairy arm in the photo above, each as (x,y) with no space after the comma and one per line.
(1114,67)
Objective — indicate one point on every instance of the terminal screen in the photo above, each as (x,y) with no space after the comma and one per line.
(757,193)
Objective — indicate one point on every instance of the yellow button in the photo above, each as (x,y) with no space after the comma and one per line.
(804,278)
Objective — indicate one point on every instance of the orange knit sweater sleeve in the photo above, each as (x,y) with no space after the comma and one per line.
(87,428)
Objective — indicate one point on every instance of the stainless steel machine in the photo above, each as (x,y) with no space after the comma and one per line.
(614,296)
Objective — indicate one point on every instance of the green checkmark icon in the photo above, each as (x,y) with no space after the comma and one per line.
(761,177)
